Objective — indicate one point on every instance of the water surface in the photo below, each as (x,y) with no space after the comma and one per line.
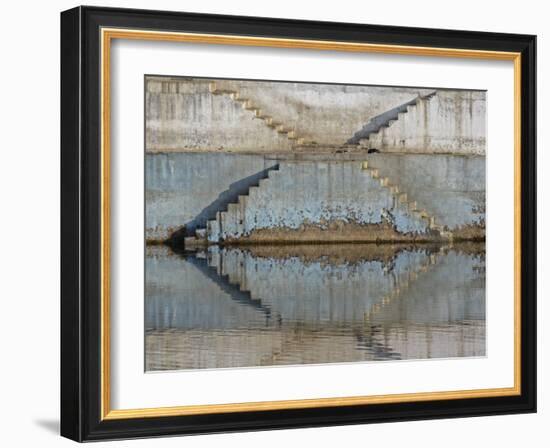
(310,304)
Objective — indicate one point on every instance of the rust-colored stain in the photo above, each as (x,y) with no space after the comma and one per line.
(334,232)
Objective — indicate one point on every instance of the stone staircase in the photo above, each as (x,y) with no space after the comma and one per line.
(282,200)
(277,125)
(403,198)
(204,235)
(372,133)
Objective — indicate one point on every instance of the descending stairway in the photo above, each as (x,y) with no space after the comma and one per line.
(247,104)
(366,136)
(201,234)
(255,209)
(265,206)
(402,198)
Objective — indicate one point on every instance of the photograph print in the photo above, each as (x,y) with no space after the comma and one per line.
(292,223)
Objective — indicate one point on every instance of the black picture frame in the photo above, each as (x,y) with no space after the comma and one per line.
(81,224)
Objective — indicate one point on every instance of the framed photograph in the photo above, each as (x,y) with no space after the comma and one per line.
(272,223)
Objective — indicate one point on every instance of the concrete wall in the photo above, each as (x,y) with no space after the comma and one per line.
(450,188)
(448,122)
(183,115)
(327,114)
(190,188)
(316,200)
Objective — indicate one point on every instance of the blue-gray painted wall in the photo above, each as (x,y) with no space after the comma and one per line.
(187,189)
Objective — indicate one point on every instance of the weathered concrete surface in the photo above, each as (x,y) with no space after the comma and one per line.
(188,189)
(451,121)
(339,201)
(182,114)
(316,201)
(326,114)
(233,307)
(451,188)
(337,231)
(307,195)
(385,119)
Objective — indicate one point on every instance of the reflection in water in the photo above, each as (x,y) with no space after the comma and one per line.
(280,305)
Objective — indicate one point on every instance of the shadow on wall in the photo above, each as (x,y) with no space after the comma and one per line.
(380,120)
(229,196)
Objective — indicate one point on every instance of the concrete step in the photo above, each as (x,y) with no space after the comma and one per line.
(200,233)
(424,214)
(281,129)
(248,104)
(243,202)
(381,128)
(212,227)
(192,242)
(374,135)
(274,174)
(252,192)
(306,143)
(264,183)
(232,216)
(401,198)
(215,90)
(232,208)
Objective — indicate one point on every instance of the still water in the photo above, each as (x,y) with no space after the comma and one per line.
(310,304)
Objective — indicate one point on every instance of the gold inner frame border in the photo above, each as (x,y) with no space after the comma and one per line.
(107,35)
